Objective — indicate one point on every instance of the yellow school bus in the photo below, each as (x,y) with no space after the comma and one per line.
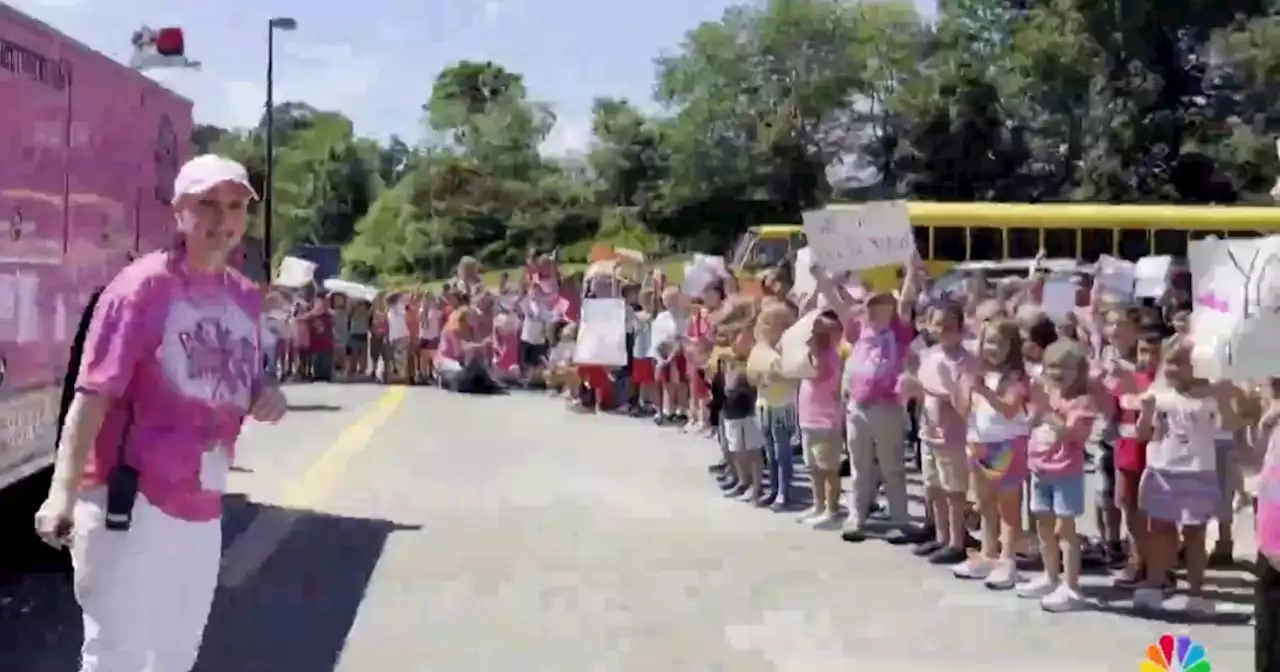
(949,233)
(763,247)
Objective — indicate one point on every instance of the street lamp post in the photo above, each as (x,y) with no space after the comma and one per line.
(268,187)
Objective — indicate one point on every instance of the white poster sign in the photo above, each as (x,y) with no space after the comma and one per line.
(805,284)
(1116,277)
(697,277)
(602,333)
(1236,309)
(851,239)
(1059,299)
(1151,277)
(795,348)
(295,273)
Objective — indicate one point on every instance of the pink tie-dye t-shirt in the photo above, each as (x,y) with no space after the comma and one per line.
(179,356)
(878,360)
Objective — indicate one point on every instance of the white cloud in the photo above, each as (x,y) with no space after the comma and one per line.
(328,76)
(571,136)
(492,9)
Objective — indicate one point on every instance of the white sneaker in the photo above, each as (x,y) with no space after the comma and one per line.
(827,521)
(1003,576)
(810,514)
(1063,599)
(976,567)
(748,496)
(1148,598)
(1037,588)
(1201,606)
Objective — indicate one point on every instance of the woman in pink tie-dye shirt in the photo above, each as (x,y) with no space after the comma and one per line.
(172,364)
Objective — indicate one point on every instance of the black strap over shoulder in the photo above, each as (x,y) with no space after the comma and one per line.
(73,362)
(73,373)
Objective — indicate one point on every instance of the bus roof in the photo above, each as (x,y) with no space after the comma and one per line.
(1100,215)
(777,229)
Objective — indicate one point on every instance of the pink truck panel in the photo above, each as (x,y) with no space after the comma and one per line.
(91,149)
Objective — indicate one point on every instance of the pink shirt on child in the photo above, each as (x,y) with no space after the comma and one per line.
(940,424)
(506,356)
(877,362)
(818,403)
(450,348)
(1051,455)
(178,354)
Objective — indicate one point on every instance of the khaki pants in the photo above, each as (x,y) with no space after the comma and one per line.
(876,454)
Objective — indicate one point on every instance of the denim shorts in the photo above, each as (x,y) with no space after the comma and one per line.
(1062,496)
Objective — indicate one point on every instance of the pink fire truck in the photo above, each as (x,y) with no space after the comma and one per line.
(90,151)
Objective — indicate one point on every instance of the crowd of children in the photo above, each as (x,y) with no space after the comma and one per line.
(398,336)
(1002,408)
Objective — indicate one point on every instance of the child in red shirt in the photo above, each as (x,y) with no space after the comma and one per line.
(1131,453)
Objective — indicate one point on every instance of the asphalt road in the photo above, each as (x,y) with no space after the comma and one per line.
(408,529)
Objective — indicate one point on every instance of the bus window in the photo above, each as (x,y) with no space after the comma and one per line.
(1201,234)
(1096,242)
(1133,244)
(923,248)
(1243,234)
(1023,243)
(949,243)
(1169,241)
(1060,244)
(985,243)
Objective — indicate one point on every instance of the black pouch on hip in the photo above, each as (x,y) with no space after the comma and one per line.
(122,493)
(122,487)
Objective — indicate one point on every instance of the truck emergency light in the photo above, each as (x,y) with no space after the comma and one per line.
(163,48)
(170,42)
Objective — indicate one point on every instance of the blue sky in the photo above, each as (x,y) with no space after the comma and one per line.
(375,60)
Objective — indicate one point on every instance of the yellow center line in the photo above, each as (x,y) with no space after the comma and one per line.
(252,547)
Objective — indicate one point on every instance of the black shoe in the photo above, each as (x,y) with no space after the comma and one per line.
(948,555)
(898,536)
(853,536)
(926,549)
(1222,557)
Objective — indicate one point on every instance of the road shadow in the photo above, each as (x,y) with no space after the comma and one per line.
(309,408)
(293,612)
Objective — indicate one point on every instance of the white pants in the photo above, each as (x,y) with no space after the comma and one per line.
(145,593)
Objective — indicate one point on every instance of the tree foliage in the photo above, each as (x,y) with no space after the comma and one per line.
(784,105)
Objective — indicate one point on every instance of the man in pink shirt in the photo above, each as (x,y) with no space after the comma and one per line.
(171,366)
(875,420)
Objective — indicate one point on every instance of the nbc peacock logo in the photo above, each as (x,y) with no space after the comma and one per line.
(1175,653)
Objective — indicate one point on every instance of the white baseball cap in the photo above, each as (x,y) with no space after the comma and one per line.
(207,171)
